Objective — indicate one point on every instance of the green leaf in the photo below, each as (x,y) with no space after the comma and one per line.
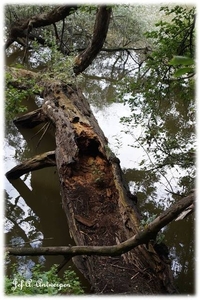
(181,60)
(183,71)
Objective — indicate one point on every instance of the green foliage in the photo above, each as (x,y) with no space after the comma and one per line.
(175,36)
(162,105)
(41,282)
(87,8)
(15,95)
(183,61)
(125,29)
(160,237)
(146,221)
(57,65)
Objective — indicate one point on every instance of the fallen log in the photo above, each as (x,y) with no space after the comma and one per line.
(97,202)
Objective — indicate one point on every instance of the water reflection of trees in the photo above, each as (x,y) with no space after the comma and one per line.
(180,240)
(27,207)
(102,87)
(179,237)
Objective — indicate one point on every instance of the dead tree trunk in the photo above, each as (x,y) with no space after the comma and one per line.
(93,192)
(98,204)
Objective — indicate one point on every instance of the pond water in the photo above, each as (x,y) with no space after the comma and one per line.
(34,214)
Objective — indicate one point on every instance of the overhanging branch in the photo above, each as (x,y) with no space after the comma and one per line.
(21,28)
(85,58)
(141,237)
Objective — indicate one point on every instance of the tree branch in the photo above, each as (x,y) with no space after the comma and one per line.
(84,59)
(21,28)
(31,119)
(41,161)
(145,49)
(141,237)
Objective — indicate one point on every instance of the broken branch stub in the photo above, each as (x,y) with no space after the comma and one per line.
(41,161)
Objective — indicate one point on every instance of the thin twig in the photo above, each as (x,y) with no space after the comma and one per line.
(63,263)
(39,131)
(47,127)
(135,275)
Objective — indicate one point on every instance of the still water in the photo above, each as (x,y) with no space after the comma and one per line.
(34,214)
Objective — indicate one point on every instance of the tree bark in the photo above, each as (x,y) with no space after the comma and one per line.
(98,204)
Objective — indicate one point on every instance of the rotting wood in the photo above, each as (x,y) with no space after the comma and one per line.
(85,221)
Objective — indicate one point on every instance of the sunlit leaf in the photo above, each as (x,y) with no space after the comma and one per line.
(181,60)
(183,71)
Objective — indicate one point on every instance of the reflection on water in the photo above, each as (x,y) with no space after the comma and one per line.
(34,214)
